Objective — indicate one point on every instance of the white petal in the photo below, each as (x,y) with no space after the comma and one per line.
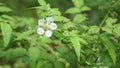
(49,19)
(53,26)
(48,33)
(40,31)
(41,22)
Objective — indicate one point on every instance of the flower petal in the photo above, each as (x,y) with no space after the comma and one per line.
(53,26)
(48,33)
(40,31)
(41,22)
(49,19)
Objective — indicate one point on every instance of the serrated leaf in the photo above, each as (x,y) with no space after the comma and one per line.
(85,8)
(107,29)
(68,25)
(76,45)
(109,46)
(60,18)
(79,18)
(78,3)
(73,10)
(117,29)
(42,2)
(34,53)
(93,29)
(55,11)
(6,32)
(110,21)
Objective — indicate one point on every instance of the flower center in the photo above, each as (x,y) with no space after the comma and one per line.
(46,26)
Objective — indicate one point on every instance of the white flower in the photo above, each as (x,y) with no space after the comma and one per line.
(48,33)
(41,22)
(46,26)
(49,19)
(40,30)
(53,26)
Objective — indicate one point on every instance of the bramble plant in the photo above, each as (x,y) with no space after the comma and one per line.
(75,34)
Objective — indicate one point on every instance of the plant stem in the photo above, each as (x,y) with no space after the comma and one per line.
(106,16)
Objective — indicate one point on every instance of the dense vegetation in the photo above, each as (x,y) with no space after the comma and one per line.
(83,34)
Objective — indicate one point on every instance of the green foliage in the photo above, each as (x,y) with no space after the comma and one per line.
(68,55)
(87,34)
(5,9)
(77,46)
(11,54)
(109,46)
(78,3)
(42,2)
(24,35)
(117,29)
(34,53)
(6,32)
(73,10)
(79,18)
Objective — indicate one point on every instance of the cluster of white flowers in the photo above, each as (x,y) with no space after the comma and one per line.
(46,26)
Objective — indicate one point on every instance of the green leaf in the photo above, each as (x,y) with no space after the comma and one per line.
(106,59)
(42,2)
(19,52)
(44,64)
(15,53)
(24,35)
(61,18)
(59,64)
(93,29)
(73,10)
(55,11)
(109,46)
(5,9)
(85,8)
(83,41)
(79,18)
(68,25)
(76,45)
(34,53)
(117,29)
(78,3)
(68,55)
(6,32)
(107,29)
(110,21)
